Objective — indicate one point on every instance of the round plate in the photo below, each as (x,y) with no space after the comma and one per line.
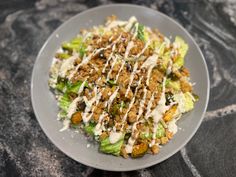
(75,144)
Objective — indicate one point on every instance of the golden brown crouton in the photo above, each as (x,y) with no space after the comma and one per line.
(155,149)
(76,118)
(139,150)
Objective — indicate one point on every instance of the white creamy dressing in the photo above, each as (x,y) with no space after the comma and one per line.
(172,127)
(149,106)
(192,97)
(85,115)
(67,65)
(121,68)
(54,72)
(112,97)
(86,36)
(112,53)
(112,66)
(135,32)
(109,58)
(60,50)
(114,24)
(128,48)
(167,42)
(132,102)
(142,102)
(114,137)
(150,63)
(89,48)
(82,87)
(158,112)
(149,74)
(143,50)
(98,127)
(110,38)
(180,99)
(152,60)
(85,60)
(66,124)
(132,139)
(130,23)
(73,106)
(131,78)
(169,68)
(175,49)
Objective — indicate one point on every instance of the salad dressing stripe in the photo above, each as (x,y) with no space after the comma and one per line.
(112,97)
(121,68)
(112,66)
(128,48)
(132,102)
(131,78)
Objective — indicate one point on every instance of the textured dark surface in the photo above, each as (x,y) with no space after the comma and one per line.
(24,148)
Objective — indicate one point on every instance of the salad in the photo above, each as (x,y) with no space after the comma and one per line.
(124,84)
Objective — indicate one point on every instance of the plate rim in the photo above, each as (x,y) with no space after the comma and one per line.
(139,166)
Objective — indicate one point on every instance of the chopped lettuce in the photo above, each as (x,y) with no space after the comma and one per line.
(183,48)
(173,84)
(62,55)
(67,87)
(107,147)
(64,102)
(62,115)
(77,40)
(75,44)
(161,51)
(90,128)
(122,104)
(82,50)
(140,32)
(160,132)
(165,56)
(185,102)
(73,87)
(189,103)
(111,82)
(61,85)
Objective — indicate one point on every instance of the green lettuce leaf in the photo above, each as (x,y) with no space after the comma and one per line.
(160,132)
(107,147)
(64,102)
(173,84)
(183,48)
(189,103)
(90,128)
(75,44)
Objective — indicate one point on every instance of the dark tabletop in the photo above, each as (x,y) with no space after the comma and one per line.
(24,148)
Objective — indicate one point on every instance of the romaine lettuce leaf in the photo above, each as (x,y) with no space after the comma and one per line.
(64,102)
(90,128)
(107,147)
(183,48)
